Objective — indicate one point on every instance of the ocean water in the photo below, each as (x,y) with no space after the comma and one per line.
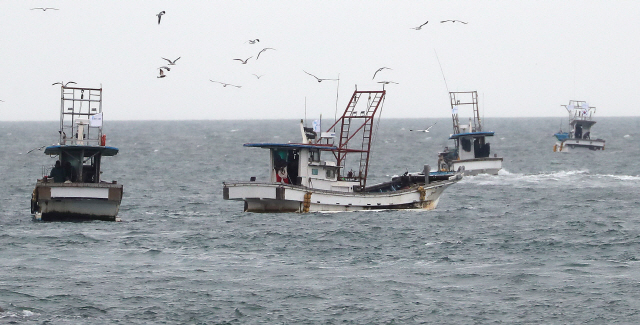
(553,239)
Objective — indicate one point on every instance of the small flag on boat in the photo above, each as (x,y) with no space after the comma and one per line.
(95,120)
(316,126)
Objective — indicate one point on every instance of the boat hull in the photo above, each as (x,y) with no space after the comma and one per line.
(578,145)
(276,197)
(477,166)
(76,201)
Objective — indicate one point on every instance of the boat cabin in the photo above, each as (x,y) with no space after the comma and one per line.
(78,163)
(301,164)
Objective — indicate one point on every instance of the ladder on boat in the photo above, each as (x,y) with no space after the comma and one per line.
(362,118)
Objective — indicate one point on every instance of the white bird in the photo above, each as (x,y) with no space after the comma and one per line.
(243,61)
(160,16)
(420,27)
(45,9)
(388,82)
(253,41)
(319,79)
(224,84)
(374,75)
(257,76)
(161,73)
(264,49)
(453,21)
(172,62)
(425,130)
(62,83)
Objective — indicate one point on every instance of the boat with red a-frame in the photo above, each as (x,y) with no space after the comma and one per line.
(301,181)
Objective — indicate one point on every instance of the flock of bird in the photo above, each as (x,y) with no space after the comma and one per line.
(163,69)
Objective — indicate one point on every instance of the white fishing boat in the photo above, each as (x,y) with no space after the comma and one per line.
(471,150)
(301,181)
(579,135)
(73,189)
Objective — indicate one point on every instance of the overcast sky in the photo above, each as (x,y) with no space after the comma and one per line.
(525,58)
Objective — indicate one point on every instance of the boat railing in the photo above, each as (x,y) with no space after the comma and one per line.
(317,190)
(83,142)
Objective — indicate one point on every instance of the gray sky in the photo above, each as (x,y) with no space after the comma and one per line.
(523,58)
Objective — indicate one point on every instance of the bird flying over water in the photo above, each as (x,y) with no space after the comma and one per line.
(34,149)
(420,27)
(257,76)
(374,75)
(319,79)
(160,16)
(172,62)
(253,41)
(62,83)
(453,21)
(166,68)
(45,9)
(162,75)
(264,49)
(243,61)
(224,84)
(425,130)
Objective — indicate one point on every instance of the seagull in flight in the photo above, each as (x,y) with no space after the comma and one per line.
(253,41)
(257,76)
(164,67)
(172,62)
(34,149)
(319,79)
(160,16)
(162,75)
(45,9)
(264,49)
(420,27)
(374,75)
(243,61)
(225,84)
(453,21)
(425,130)
(388,82)
(62,83)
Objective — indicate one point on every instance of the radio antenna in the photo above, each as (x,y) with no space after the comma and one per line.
(445,79)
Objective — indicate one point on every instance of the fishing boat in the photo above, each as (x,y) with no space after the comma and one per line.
(579,135)
(73,188)
(471,150)
(301,181)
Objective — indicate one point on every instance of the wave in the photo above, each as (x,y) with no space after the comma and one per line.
(561,178)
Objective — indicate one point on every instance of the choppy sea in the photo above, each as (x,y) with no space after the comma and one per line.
(553,239)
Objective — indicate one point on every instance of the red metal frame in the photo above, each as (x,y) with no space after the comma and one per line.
(352,114)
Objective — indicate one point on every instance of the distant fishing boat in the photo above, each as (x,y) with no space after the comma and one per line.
(73,188)
(471,150)
(579,135)
(300,181)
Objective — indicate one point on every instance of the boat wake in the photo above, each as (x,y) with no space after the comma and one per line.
(561,178)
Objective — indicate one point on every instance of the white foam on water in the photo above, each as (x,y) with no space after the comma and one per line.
(554,179)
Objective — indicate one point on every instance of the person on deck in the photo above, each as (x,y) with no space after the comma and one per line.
(57,173)
(69,172)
